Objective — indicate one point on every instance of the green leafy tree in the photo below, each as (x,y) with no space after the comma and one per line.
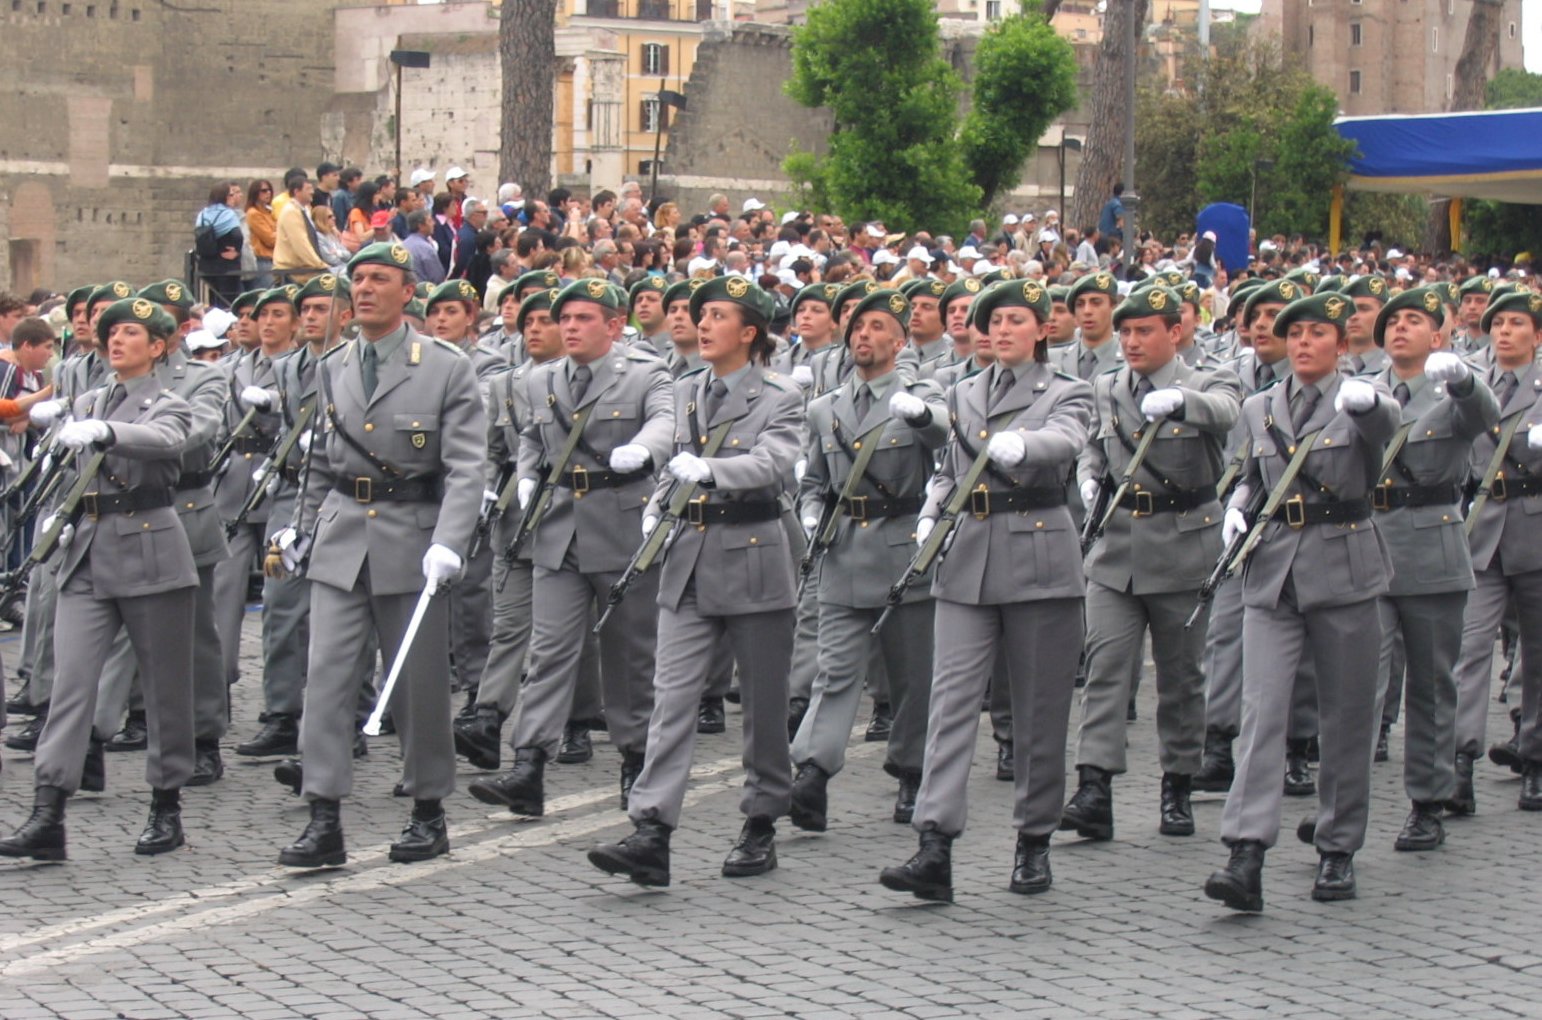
(1513,89)
(1504,228)
(1024,77)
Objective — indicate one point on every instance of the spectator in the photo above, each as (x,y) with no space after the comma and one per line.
(262,229)
(407,200)
(456,181)
(329,240)
(473,222)
(218,240)
(483,245)
(380,227)
(359,219)
(420,245)
(297,245)
(444,232)
(506,270)
(347,195)
(328,178)
(1111,219)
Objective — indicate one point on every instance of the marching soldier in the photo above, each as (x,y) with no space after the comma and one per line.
(1012,581)
(1309,590)
(1092,300)
(730,575)
(646,306)
(682,356)
(1157,548)
(928,331)
(1472,296)
(390,505)
(815,327)
(876,497)
(1062,322)
(1366,356)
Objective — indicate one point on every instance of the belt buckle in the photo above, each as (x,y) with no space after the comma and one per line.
(580,475)
(856,506)
(1381,497)
(980,502)
(1145,504)
(90,505)
(696,511)
(364,490)
(1295,512)
(1499,490)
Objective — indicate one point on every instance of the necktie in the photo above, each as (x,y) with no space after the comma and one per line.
(115,398)
(1358,362)
(864,401)
(1003,386)
(716,393)
(1086,364)
(1506,388)
(1265,375)
(1142,387)
(1402,394)
(369,368)
(580,383)
(1306,404)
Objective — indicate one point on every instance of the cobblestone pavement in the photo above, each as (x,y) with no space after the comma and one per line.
(514,922)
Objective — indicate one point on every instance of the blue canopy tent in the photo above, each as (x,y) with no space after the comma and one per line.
(1494,154)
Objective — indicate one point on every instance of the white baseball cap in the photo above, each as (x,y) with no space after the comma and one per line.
(1051,215)
(421,175)
(751,204)
(789,216)
(919,253)
(455,173)
(1010,219)
(699,263)
(216,321)
(885,257)
(969,251)
(203,340)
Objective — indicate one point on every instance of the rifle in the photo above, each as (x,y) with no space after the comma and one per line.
(508,484)
(1095,512)
(50,483)
(13,583)
(1222,571)
(675,500)
(222,456)
(546,487)
(35,465)
(824,532)
(275,461)
(1111,505)
(817,546)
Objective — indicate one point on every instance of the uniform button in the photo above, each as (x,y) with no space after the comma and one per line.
(191,505)
(145,526)
(1038,524)
(369,426)
(864,524)
(416,424)
(247,456)
(754,541)
(373,513)
(615,414)
(1429,432)
(1327,442)
(893,442)
(1445,517)
(1207,520)
(984,434)
(733,442)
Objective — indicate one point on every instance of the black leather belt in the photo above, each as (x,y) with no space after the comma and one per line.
(1298,513)
(1388,497)
(364,489)
(1146,503)
(984,502)
(292,469)
(194,480)
(866,508)
(581,479)
(95,504)
(699,511)
(250,444)
(1507,488)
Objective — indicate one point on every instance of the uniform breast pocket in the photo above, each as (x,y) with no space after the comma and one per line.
(1353,560)
(621,414)
(1443,554)
(420,430)
(148,547)
(1044,530)
(750,552)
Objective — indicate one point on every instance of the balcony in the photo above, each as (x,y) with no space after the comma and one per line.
(651,10)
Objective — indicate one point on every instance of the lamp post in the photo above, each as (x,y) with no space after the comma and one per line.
(667,98)
(401,59)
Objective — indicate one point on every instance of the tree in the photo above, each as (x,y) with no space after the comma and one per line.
(527,58)
(1504,228)
(876,65)
(1468,81)
(1024,77)
(1102,164)
(1513,89)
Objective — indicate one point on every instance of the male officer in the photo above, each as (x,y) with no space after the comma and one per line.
(1369,294)
(645,304)
(1159,545)
(1092,300)
(389,508)
(682,356)
(1472,295)
(928,331)
(905,424)
(619,398)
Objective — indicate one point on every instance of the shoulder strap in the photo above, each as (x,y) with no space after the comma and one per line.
(1501,450)
(1276,497)
(868,447)
(386,467)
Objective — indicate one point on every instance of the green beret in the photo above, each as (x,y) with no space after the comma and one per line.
(1308,278)
(1370,285)
(536,279)
(1059,295)
(1513,301)
(994,276)
(289,293)
(824,293)
(891,302)
(168,292)
(656,284)
(736,289)
(535,301)
(682,290)
(851,292)
(246,300)
(966,287)
(1277,292)
(422,290)
(324,285)
(454,290)
(924,287)
(1094,283)
(1451,293)
(1241,287)
(1330,307)
(1334,282)
(1188,292)
(117,290)
(76,297)
(382,253)
(415,310)
(1155,300)
(592,289)
(147,313)
(1030,294)
(1480,284)
(1428,300)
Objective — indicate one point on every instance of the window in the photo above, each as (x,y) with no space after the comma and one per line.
(1512,30)
(1354,83)
(1434,40)
(649,114)
(1450,86)
(645,167)
(1354,33)
(655,58)
(992,10)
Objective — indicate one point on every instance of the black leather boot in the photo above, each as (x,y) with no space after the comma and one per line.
(134,736)
(93,777)
(1298,773)
(22,704)
(208,767)
(797,708)
(279,736)
(321,844)
(1030,865)
(710,716)
(1464,801)
(810,802)
(426,835)
(1240,885)
(25,739)
(1177,812)
(1306,829)
(1335,876)
(469,709)
(41,836)
(1531,786)
(1383,751)
(928,875)
(882,723)
(755,851)
(163,831)
(631,768)
(1422,829)
(479,738)
(1006,764)
(1508,754)
(1217,767)
(522,789)
(290,773)
(1091,809)
(642,857)
(576,747)
(905,800)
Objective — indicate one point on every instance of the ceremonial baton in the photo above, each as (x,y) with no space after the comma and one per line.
(372,728)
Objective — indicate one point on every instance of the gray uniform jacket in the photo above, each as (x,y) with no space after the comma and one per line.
(426,420)
(1106,357)
(630,394)
(1340,563)
(204,388)
(508,412)
(933,357)
(737,568)
(78,375)
(1014,557)
(867,556)
(1173,550)
(1372,362)
(832,366)
(1509,527)
(145,552)
(295,379)
(231,489)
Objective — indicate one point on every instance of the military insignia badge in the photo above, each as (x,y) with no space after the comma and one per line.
(143,309)
(596,288)
(1377,285)
(1431,301)
(419,440)
(897,304)
(328,282)
(737,286)
(121,289)
(467,291)
(1105,281)
(1535,303)
(400,255)
(1287,290)
(174,292)
(1032,292)
(1156,299)
(1334,307)
(937,287)
(972,285)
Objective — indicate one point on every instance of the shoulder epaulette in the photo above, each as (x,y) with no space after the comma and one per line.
(453,348)
(1075,378)
(333,352)
(691,372)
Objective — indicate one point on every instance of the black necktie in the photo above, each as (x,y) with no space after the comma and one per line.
(579,384)
(1003,386)
(716,393)
(864,401)
(369,368)
(1306,404)
(1506,388)
(1402,394)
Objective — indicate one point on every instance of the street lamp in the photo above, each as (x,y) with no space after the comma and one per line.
(1067,143)
(667,98)
(404,58)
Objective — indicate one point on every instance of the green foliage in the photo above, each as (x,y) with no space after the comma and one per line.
(1025,76)
(1400,219)
(806,172)
(1504,228)
(1513,89)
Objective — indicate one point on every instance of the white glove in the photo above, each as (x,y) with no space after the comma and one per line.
(440,565)
(77,435)
(1355,396)
(803,375)
(1162,403)
(909,408)
(1534,437)
(1232,525)
(256,396)
(1007,449)
(304,442)
(260,473)
(523,491)
(629,458)
(649,523)
(489,497)
(810,523)
(924,528)
(799,469)
(690,468)
(45,412)
(1443,367)
(291,548)
(1090,491)
(66,533)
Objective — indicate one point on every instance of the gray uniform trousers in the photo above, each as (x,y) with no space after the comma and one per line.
(1001,702)
(1475,665)
(1344,642)
(341,623)
(805,644)
(1042,643)
(286,610)
(1223,672)
(230,579)
(511,644)
(1429,628)
(37,635)
(720,675)
(762,645)
(471,619)
(563,606)
(162,641)
(846,646)
(1394,667)
(1116,628)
